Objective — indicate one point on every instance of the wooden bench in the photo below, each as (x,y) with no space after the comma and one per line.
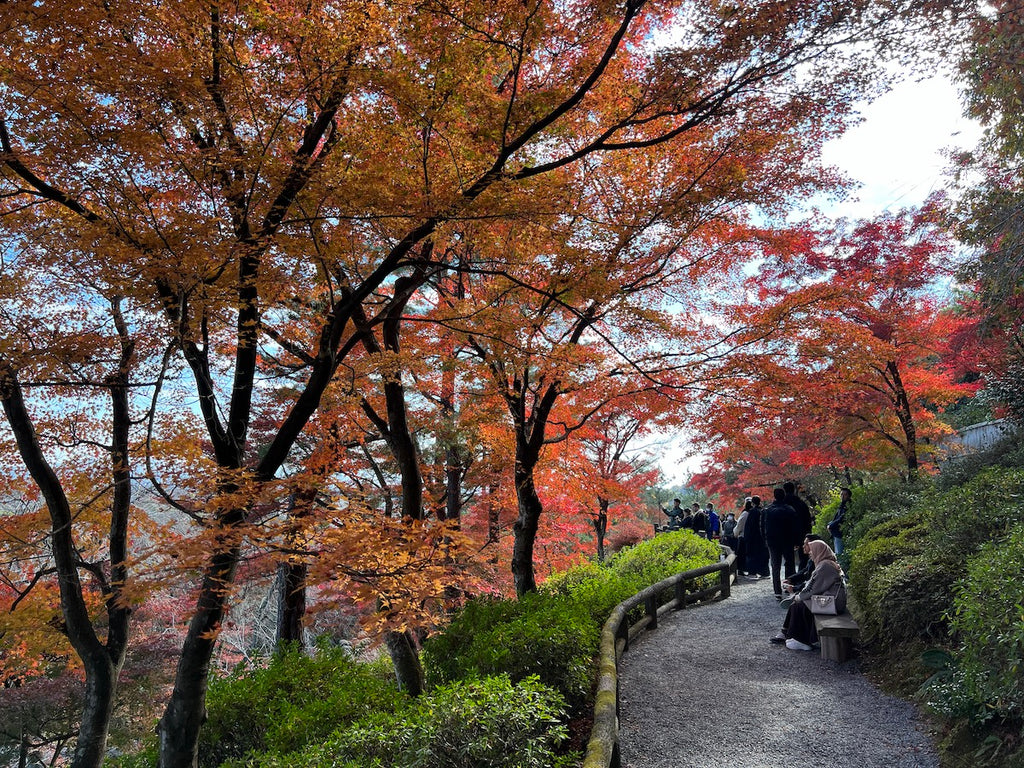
(836,634)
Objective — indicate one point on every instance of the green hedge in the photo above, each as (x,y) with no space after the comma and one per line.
(904,567)
(988,621)
(480,723)
(942,563)
(549,637)
(555,634)
(295,700)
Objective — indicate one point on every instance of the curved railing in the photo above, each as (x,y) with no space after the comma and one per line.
(603,748)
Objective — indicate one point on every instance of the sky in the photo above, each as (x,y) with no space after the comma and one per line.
(898,155)
(897,152)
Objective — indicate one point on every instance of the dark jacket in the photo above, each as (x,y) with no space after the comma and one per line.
(780,526)
(803,513)
(836,526)
(755,551)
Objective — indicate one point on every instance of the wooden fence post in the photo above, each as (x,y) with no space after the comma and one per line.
(651,607)
(680,594)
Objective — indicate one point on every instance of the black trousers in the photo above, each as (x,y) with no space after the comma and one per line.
(776,557)
(799,624)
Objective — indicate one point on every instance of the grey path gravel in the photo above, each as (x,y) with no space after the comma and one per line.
(707,690)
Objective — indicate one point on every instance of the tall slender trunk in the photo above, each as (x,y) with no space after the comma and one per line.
(186,711)
(408,667)
(291,603)
(453,461)
(493,517)
(101,660)
(98,706)
(398,434)
(601,526)
(526,527)
(529,439)
(905,416)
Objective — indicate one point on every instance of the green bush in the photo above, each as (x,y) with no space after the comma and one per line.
(901,582)
(591,587)
(481,723)
(549,636)
(666,554)
(988,621)
(599,588)
(906,600)
(295,700)
(904,566)
(875,504)
(1008,452)
(986,507)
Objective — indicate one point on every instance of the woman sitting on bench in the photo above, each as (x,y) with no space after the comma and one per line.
(798,631)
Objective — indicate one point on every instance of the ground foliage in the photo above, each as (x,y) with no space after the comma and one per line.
(510,683)
(935,572)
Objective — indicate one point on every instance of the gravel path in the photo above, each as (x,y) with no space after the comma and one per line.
(707,690)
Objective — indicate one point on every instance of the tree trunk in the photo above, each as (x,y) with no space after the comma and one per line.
(601,527)
(291,603)
(98,704)
(906,419)
(453,472)
(101,662)
(408,669)
(526,526)
(186,711)
(447,435)
(493,513)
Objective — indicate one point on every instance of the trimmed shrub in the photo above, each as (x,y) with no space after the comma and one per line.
(878,503)
(984,508)
(1008,452)
(600,588)
(547,636)
(666,554)
(906,600)
(295,700)
(988,620)
(594,588)
(481,723)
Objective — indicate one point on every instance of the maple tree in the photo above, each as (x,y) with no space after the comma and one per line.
(614,472)
(844,365)
(220,167)
(989,213)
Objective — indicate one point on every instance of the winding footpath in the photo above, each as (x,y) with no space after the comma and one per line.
(707,690)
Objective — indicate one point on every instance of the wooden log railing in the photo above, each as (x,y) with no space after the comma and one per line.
(603,748)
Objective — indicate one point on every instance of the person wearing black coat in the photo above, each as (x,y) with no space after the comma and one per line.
(755,553)
(836,526)
(700,522)
(782,532)
(803,514)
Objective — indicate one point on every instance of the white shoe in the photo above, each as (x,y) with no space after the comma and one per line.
(795,645)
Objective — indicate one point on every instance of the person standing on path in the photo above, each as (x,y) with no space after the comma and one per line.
(836,526)
(782,532)
(700,521)
(714,521)
(755,552)
(675,515)
(803,515)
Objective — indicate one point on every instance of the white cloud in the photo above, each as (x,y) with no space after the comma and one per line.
(898,152)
